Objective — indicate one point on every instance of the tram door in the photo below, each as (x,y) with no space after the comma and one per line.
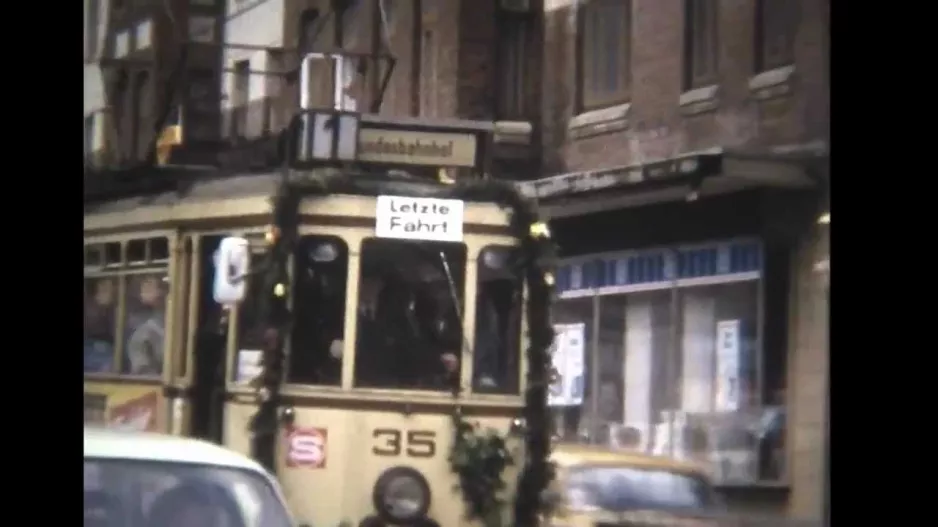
(208,356)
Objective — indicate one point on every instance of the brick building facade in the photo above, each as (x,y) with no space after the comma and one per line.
(631,86)
(135,70)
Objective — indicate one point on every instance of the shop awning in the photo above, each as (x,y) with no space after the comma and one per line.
(687,177)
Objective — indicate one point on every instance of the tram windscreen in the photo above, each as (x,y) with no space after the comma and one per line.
(410,300)
(496,365)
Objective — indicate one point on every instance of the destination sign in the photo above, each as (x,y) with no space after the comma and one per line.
(419,218)
(406,147)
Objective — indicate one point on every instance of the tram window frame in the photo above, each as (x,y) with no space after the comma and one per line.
(376,282)
(115,267)
(248,329)
(321,333)
(505,374)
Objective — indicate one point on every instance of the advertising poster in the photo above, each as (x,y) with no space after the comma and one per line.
(250,364)
(728,367)
(567,355)
(137,408)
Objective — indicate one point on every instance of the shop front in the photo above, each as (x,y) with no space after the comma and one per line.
(685,278)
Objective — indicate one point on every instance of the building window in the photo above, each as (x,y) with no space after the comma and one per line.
(118,103)
(89,135)
(140,115)
(512,49)
(775,34)
(143,35)
(605,53)
(202,29)
(680,365)
(92,28)
(202,105)
(239,98)
(274,89)
(700,43)
(122,44)
(308,30)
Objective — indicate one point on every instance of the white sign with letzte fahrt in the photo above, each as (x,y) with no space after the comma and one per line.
(419,218)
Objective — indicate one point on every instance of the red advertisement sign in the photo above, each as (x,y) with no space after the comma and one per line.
(306,447)
(138,414)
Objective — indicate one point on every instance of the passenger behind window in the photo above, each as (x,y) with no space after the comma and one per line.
(496,367)
(320,277)
(409,332)
(100,312)
(146,323)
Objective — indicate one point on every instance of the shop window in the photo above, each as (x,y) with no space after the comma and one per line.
(680,367)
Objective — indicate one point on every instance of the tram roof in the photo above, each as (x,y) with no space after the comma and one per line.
(223,186)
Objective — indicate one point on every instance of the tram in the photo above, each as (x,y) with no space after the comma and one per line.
(374,332)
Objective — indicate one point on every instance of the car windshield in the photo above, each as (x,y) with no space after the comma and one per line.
(126,493)
(626,488)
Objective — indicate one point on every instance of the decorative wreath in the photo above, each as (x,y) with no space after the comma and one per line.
(477,458)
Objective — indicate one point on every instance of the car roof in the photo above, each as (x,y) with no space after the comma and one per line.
(146,446)
(567,455)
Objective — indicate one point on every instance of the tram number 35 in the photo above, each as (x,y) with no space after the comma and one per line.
(391,442)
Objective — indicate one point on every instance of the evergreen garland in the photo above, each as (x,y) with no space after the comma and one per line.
(478,459)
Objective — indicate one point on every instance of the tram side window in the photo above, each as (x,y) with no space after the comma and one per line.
(250,325)
(496,366)
(145,323)
(410,299)
(319,287)
(100,324)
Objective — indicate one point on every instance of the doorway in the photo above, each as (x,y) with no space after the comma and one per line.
(208,380)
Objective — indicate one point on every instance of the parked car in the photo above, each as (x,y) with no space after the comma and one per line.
(600,486)
(136,479)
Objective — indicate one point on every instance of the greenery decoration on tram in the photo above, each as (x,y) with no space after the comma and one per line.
(479,459)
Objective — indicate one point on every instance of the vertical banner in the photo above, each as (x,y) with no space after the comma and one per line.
(567,356)
(728,367)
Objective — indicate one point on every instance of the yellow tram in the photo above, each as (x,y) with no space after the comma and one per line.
(378,339)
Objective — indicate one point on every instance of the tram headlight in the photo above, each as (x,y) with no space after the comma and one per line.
(401,495)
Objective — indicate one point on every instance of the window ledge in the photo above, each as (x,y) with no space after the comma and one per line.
(772,83)
(513,132)
(601,121)
(700,100)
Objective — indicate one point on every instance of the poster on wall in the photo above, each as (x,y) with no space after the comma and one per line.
(249,365)
(134,408)
(567,356)
(728,367)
